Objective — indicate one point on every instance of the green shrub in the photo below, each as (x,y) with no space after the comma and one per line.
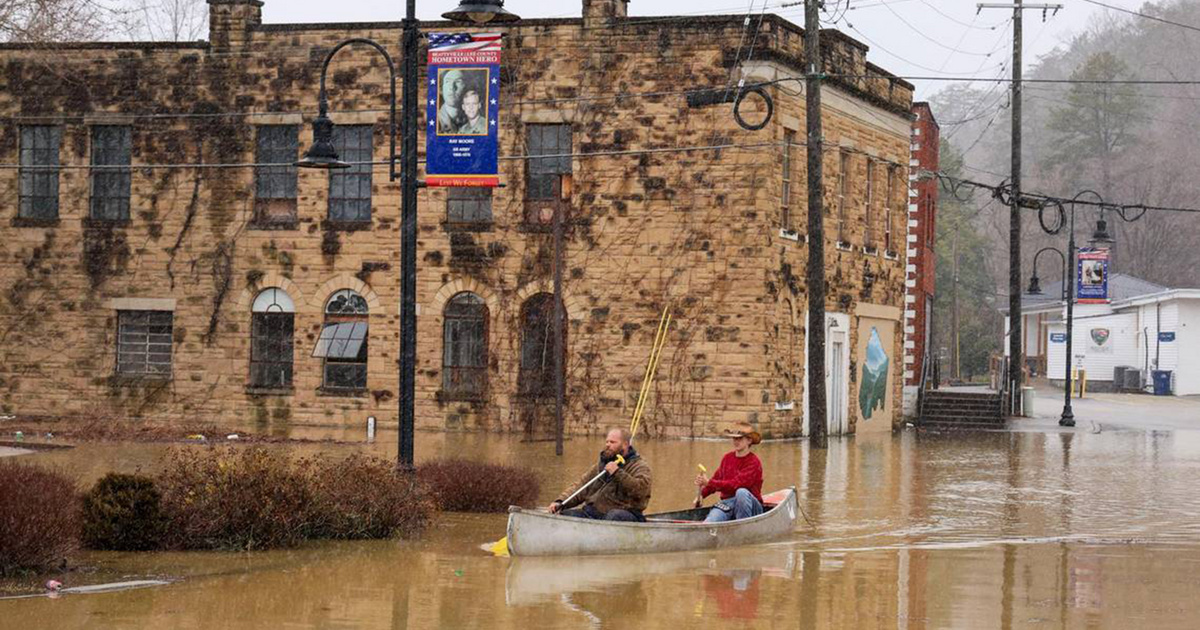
(123,513)
(226,499)
(364,497)
(461,485)
(39,518)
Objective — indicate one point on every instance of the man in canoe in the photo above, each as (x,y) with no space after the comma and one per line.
(612,491)
(738,479)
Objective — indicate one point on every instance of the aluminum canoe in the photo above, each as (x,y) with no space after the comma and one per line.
(538,533)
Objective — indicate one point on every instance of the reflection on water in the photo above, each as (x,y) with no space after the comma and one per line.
(997,530)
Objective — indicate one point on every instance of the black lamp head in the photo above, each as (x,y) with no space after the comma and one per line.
(1035,286)
(481,12)
(1101,235)
(322,153)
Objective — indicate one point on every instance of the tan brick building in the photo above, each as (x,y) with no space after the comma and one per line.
(181,280)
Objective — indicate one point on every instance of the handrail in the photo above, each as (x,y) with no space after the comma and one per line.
(926,370)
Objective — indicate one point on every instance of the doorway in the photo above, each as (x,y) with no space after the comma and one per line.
(837,382)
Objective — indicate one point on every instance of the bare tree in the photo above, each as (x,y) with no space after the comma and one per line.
(169,20)
(55,20)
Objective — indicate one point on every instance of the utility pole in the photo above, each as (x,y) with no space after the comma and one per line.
(1016,372)
(956,369)
(816,217)
(559,314)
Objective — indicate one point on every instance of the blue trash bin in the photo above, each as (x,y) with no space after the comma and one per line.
(1162,382)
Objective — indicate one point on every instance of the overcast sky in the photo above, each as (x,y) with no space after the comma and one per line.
(952,39)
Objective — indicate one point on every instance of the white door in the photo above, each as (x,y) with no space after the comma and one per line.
(837,383)
(837,376)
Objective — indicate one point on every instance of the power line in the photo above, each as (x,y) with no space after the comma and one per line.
(897,56)
(970,25)
(1037,201)
(921,32)
(1143,15)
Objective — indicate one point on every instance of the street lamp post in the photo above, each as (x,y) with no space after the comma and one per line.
(1068,416)
(1035,288)
(324,155)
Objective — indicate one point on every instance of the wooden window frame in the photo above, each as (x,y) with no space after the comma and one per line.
(276,188)
(40,166)
(465,380)
(544,176)
(111,188)
(358,176)
(533,381)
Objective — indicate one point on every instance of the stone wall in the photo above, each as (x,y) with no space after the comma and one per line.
(656,221)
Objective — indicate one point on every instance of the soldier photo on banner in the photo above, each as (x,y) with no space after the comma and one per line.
(462,102)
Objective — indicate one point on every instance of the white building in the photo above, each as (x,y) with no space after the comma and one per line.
(1145,327)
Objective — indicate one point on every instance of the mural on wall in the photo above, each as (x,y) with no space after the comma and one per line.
(873,387)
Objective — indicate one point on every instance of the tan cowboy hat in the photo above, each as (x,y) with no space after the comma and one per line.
(741,429)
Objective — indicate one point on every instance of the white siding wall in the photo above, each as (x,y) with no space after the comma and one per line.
(1187,342)
(1124,338)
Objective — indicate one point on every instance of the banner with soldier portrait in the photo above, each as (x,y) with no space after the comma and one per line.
(463,109)
(1092,279)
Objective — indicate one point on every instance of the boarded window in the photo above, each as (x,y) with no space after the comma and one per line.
(275,186)
(272,330)
(785,197)
(144,344)
(869,207)
(544,175)
(843,235)
(888,202)
(350,188)
(468,206)
(536,376)
(39,172)
(464,347)
(112,151)
(343,342)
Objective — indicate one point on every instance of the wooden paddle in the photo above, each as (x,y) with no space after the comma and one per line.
(500,547)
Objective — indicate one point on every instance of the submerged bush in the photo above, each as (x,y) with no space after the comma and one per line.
(39,518)
(365,497)
(461,485)
(123,513)
(226,499)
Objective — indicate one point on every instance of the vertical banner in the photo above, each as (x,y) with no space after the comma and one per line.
(1092,279)
(461,147)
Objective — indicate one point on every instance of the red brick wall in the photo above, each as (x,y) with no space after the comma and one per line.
(923,201)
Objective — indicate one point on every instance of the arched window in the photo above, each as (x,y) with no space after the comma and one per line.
(536,377)
(343,342)
(272,323)
(464,346)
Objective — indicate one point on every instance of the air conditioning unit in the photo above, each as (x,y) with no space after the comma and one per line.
(1119,377)
(1133,380)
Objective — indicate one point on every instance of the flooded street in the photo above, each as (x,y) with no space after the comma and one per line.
(990,530)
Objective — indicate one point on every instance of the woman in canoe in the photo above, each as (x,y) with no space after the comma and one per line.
(738,479)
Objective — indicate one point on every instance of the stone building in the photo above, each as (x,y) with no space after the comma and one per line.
(154,267)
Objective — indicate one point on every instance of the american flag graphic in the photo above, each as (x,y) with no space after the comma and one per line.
(445,42)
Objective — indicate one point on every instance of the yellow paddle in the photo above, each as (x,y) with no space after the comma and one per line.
(699,496)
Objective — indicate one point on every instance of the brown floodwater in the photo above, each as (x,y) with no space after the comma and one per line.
(988,530)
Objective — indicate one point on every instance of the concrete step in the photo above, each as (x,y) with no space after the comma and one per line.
(992,417)
(961,426)
(956,404)
(954,417)
(963,397)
